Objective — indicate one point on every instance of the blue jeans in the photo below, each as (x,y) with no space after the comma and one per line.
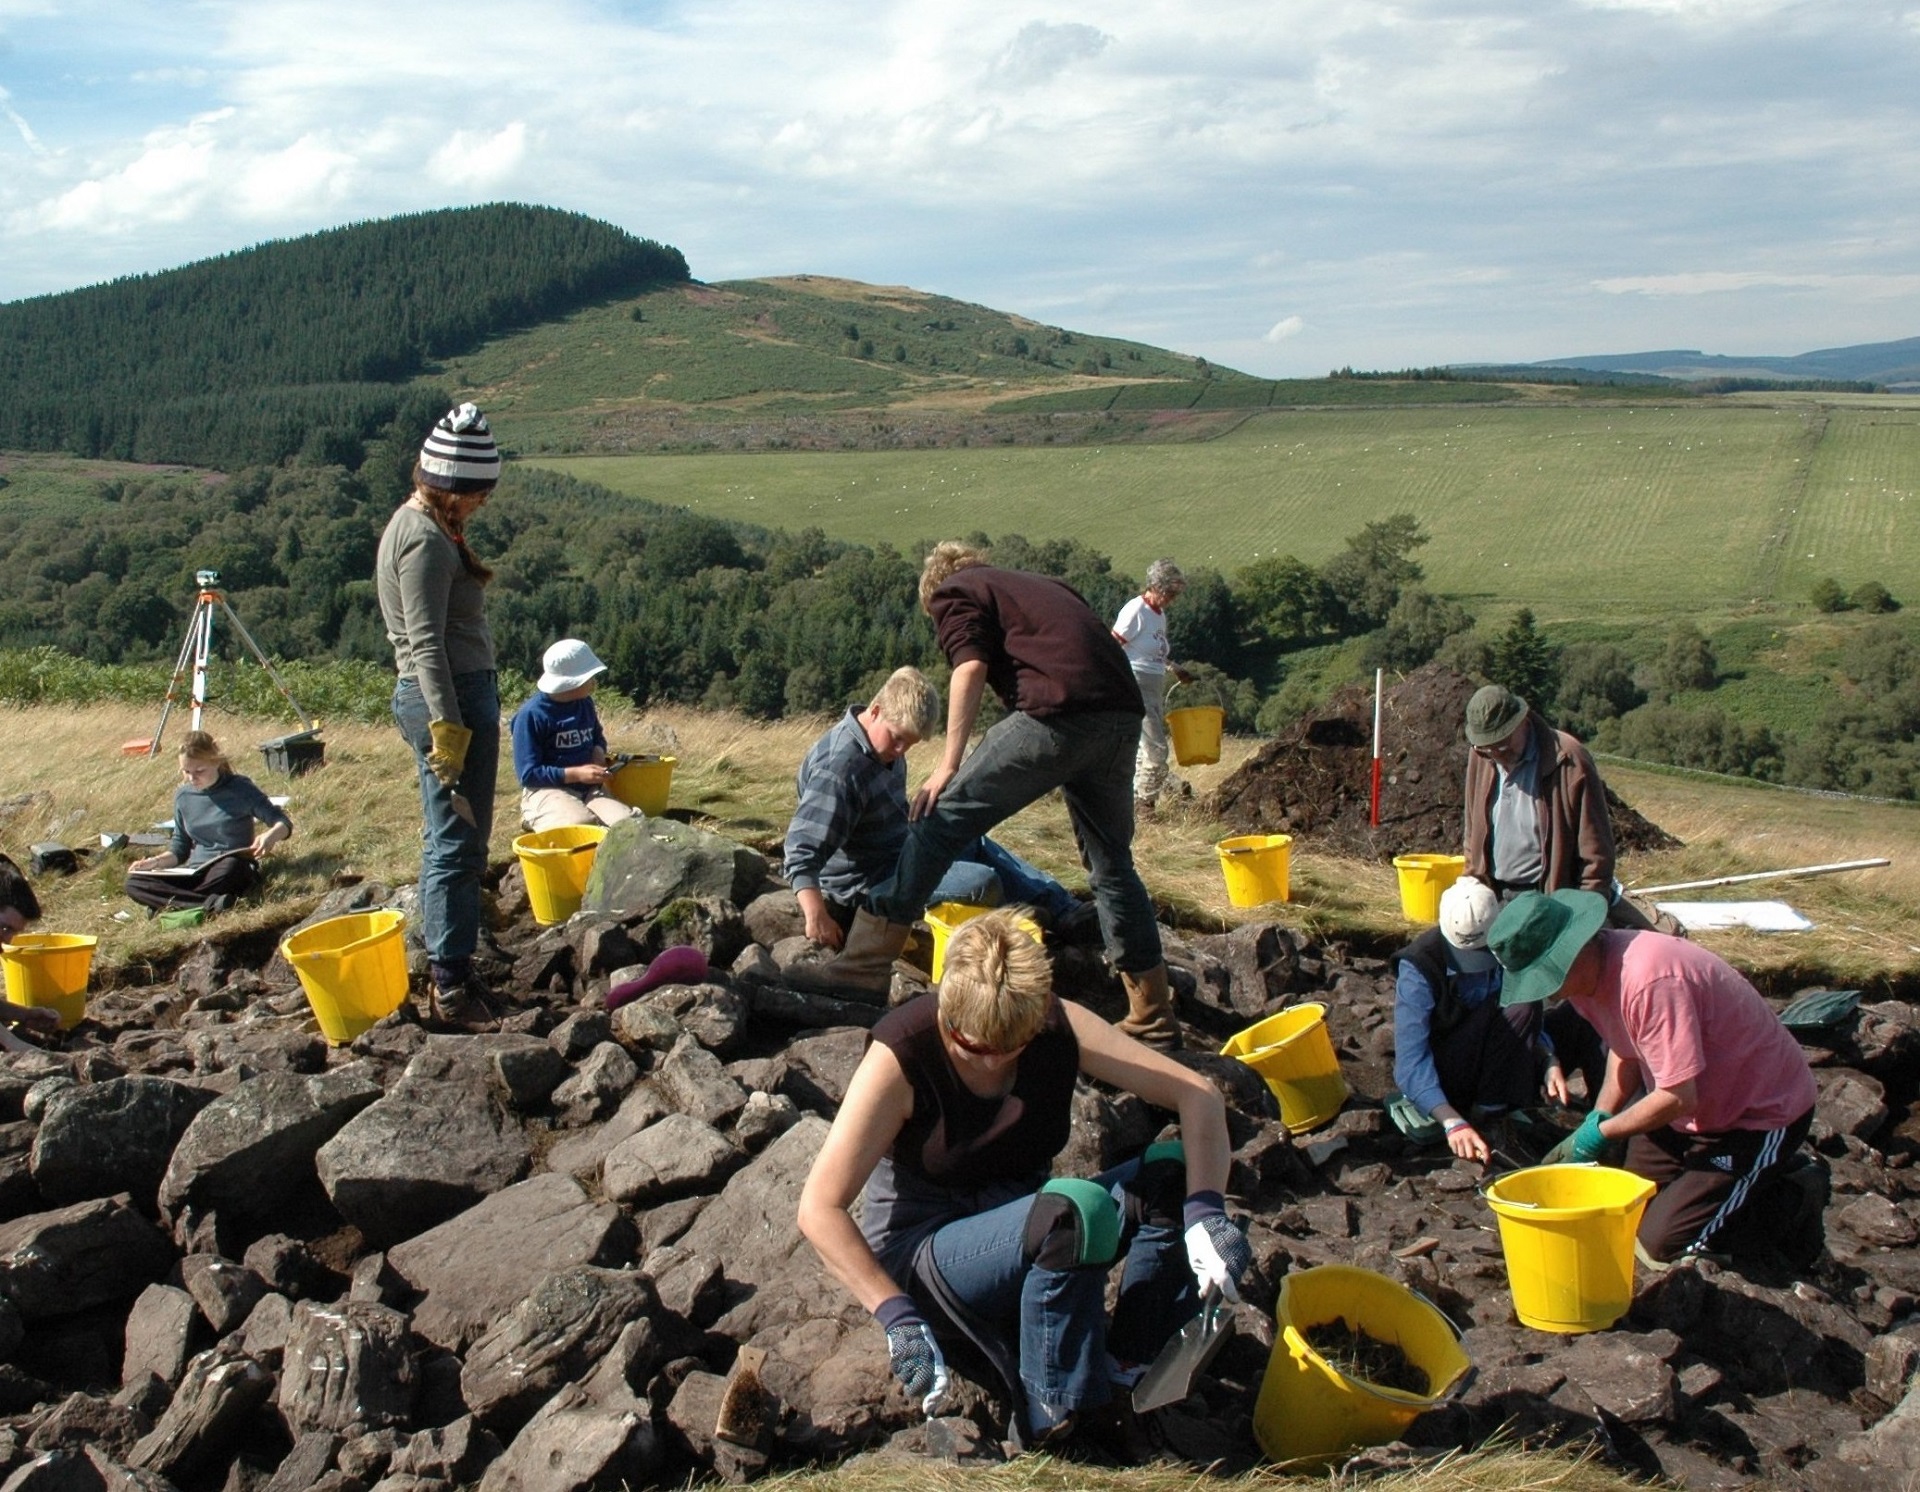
(1022,759)
(454,853)
(1057,1317)
(989,875)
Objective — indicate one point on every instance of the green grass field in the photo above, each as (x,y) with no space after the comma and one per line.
(1584,512)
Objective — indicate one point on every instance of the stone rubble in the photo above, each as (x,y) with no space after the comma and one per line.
(233,1258)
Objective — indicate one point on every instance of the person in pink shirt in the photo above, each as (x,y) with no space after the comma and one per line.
(1709,1091)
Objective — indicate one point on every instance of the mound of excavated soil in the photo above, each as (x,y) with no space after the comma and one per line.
(1314,780)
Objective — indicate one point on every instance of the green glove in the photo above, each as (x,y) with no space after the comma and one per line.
(448,758)
(1586,1144)
(1568,1151)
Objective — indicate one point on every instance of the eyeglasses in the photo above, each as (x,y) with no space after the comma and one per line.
(980,1049)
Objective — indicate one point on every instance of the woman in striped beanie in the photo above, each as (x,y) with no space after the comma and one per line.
(447,702)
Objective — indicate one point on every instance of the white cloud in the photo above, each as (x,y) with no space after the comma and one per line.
(165,183)
(473,161)
(27,135)
(1040,52)
(1721,282)
(309,174)
(1286,327)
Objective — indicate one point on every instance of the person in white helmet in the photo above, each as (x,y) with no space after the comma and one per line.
(1458,1053)
(560,747)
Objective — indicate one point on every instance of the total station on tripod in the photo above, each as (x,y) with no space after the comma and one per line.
(291,753)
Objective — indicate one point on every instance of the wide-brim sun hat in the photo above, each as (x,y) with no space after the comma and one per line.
(1493,714)
(568,664)
(1537,937)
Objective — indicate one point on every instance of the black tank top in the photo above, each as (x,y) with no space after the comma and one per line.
(957,1139)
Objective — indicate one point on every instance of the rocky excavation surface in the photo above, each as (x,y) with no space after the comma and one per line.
(232,1257)
(1315,779)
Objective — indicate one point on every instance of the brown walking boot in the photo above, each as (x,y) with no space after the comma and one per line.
(1150,1008)
(863,968)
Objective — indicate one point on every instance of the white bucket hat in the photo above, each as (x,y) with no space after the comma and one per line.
(569,663)
(1467,909)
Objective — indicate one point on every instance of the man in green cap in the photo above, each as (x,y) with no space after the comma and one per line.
(1536,809)
(1709,1091)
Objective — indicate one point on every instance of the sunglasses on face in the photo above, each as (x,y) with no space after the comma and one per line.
(980,1049)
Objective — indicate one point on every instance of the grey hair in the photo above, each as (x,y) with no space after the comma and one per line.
(1164,576)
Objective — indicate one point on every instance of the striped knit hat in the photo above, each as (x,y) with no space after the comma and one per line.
(460,455)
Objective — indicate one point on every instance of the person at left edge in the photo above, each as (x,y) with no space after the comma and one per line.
(446,701)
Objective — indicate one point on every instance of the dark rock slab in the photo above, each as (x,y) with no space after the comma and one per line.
(74,1258)
(103,1138)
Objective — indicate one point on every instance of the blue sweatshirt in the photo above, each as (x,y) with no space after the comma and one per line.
(550,735)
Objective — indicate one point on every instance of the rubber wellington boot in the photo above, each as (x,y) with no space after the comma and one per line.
(863,968)
(1150,1008)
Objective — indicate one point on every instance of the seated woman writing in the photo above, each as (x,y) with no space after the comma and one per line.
(950,1126)
(214,856)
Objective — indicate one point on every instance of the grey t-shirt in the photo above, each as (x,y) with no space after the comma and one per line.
(209,821)
(436,613)
(1519,857)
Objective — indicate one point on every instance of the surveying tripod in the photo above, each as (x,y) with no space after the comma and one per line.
(199,644)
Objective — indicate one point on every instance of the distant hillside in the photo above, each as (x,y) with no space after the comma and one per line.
(249,356)
(1890,363)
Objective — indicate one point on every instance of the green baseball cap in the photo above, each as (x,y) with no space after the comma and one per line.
(1493,714)
(1537,938)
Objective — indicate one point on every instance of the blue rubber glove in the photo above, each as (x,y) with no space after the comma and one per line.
(912,1352)
(1587,1145)
(1217,1251)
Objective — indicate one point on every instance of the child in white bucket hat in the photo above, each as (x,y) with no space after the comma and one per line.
(559,747)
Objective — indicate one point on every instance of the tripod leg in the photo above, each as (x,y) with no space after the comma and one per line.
(247,637)
(179,672)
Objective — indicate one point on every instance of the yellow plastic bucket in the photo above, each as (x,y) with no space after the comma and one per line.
(944,917)
(555,863)
(50,969)
(643,783)
(1311,1411)
(1294,1053)
(1255,867)
(1194,731)
(1422,879)
(353,968)
(1567,1232)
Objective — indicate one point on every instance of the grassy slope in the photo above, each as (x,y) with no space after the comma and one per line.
(360,814)
(1581,512)
(759,346)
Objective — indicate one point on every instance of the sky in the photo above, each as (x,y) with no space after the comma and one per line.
(1280,186)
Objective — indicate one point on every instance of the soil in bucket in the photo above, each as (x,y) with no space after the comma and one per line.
(1313,1407)
(51,970)
(643,782)
(353,968)
(1255,868)
(1194,731)
(1294,1053)
(1422,879)
(1567,1233)
(556,863)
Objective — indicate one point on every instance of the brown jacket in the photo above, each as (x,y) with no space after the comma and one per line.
(1576,836)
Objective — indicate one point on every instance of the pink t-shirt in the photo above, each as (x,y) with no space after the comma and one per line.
(1681,1012)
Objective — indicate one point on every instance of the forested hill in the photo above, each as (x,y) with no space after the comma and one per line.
(254,355)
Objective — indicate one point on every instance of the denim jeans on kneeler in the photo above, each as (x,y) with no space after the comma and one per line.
(1054,1320)
(1020,760)
(454,853)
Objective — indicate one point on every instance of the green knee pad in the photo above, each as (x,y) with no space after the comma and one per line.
(1072,1223)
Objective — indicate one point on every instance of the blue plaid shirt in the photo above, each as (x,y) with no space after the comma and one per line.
(851,819)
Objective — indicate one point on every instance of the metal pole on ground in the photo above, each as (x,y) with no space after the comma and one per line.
(1762,875)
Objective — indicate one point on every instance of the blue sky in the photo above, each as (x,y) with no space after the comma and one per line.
(1283,186)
